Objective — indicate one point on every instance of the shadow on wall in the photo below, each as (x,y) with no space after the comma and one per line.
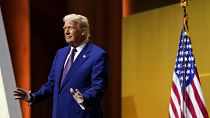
(129,108)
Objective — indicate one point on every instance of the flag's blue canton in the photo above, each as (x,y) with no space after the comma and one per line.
(185,68)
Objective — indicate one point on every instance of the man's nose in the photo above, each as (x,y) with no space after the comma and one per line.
(67,30)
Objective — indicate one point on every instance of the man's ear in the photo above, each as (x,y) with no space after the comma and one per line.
(84,31)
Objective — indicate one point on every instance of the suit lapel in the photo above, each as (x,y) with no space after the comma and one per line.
(84,54)
(63,56)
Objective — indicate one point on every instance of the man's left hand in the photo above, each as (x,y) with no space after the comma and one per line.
(77,95)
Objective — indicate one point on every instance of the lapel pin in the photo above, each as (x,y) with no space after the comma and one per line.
(84,56)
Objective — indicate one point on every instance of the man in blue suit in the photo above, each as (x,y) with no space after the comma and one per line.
(78,77)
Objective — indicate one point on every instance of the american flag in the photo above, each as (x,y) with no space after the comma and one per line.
(186,100)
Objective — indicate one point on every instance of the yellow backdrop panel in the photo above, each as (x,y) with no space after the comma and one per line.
(149,48)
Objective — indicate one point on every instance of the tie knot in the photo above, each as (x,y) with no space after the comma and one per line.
(74,50)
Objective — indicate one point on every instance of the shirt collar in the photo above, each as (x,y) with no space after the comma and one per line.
(81,46)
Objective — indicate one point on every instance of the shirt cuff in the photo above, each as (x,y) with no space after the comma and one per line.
(82,106)
(32,99)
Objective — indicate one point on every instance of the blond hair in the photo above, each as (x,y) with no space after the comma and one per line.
(81,20)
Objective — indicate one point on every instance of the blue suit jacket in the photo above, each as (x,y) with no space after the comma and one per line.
(88,74)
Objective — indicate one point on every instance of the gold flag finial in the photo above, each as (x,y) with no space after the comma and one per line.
(184,3)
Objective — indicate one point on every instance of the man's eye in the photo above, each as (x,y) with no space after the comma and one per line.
(67,28)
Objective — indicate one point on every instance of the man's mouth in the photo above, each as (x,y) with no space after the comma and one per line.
(68,36)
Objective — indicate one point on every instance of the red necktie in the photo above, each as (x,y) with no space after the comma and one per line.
(68,65)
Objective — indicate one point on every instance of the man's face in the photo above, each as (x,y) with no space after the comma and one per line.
(73,34)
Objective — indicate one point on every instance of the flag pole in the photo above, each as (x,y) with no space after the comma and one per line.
(184,4)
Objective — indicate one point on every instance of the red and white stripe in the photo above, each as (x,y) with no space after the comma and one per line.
(189,103)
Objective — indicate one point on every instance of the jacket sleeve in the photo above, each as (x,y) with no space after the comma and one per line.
(99,80)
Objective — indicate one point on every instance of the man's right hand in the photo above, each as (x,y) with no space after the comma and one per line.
(23,95)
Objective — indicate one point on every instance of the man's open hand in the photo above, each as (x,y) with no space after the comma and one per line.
(77,96)
(23,95)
